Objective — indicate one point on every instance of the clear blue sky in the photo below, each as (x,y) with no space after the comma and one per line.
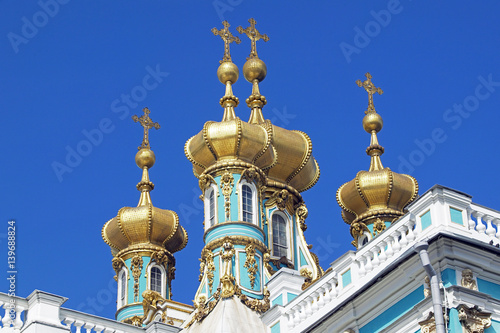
(69,72)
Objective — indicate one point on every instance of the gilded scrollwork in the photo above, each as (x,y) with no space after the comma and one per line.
(378,227)
(251,264)
(252,174)
(161,258)
(136,267)
(170,277)
(154,306)
(428,325)
(135,321)
(280,198)
(258,305)
(473,320)
(308,275)
(207,261)
(117,263)
(357,230)
(267,259)
(204,181)
(302,212)
(227,184)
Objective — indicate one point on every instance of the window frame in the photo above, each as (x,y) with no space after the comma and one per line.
(255,204)
(122,281)
(163,281)
(206,196)
(286,219)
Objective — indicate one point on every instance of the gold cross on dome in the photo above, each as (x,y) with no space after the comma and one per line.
(370,89)
(147,123)
(254,36)
(228,38)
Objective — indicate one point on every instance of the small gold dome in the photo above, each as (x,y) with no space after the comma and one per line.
(254,69)
(145,157)
(145,227)
(228,71)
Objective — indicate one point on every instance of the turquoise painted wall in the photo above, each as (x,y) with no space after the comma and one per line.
(449,277)
(454,324)
(488,288)
(394,312)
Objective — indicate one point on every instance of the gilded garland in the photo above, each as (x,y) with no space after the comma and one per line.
(136,273)
(207,261)
(251,264)
(226,184)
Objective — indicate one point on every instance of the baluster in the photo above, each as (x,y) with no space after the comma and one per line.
(471,222)
(78,325)
(6,321)
(496,222)
(396,246)
(411,230)
(290,320)
(334,291)
(361,268)
(480,227)
(389,252)
(88,327)
(375,261)
(369,266)
(328,294)
(315,300)
(98,328)
(490,231)
(404,240)
(382,256)
(297,316)
(308,306)
(18,322)
(68,322)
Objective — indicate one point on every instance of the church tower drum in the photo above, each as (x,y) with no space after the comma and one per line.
(251,174)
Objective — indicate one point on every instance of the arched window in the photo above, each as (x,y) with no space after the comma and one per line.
(122,288)
(280,242)
(155,280)
(211,208)
(247,203)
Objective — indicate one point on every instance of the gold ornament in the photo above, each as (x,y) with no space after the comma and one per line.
(254,36)
(251,264)
(473,320)
(226,184)
(228,38)
(136,267)
(378,227)
(468,279)
(147,123)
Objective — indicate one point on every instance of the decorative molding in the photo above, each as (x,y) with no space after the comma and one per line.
(302,212)
(136,267)
(472,319)
(207,261)
(170,277)
(134,321)
(204,182)
(251,264)
(227,184)
(378,227)
(227,280)
(117,264)
(237,240)
(427,287)
(468,279)
(154,306)
(428,325)
(282,199)
(357,229)
(306,272)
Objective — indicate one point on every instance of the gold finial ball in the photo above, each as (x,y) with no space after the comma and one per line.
(228,71)
(372,122)
(145,158)
(254,69)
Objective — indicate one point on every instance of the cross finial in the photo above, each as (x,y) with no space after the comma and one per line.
(254,36)
(228,38)
(147,123)
(370,89)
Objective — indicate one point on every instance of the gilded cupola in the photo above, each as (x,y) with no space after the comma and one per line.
(284,155)
(377,197)
(144,226)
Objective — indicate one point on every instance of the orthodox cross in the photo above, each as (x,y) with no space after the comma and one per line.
(254,36)
(370,89)
(147,123)
(228,38)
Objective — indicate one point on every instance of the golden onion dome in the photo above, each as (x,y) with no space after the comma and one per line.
(378,194)
(145,227)
(285,155)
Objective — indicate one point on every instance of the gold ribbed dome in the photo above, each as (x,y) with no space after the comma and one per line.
(145,227)
(378,195)
(286,156)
